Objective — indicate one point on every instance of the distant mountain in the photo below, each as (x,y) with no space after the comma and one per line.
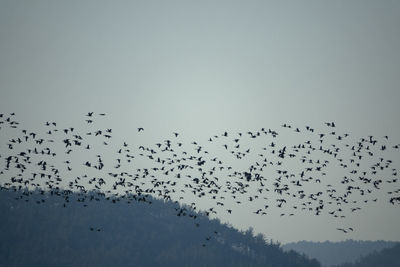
(388,257)
(62,228)
(328,252)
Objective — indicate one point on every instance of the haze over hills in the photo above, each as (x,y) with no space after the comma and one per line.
(38,229)
(336,253)
(388,257)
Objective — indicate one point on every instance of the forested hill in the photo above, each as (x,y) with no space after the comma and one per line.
(388,257)
(70,229)
(327,252)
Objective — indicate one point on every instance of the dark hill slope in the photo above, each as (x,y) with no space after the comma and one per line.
(37,230)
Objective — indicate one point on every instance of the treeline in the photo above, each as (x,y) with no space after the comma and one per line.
(74,229)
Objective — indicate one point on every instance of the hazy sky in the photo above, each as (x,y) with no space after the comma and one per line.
(201,67)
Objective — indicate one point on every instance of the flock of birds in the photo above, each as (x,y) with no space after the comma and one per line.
(226,170)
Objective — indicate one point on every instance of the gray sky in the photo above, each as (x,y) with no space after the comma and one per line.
(202,67)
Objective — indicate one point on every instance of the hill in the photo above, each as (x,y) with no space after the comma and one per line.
(63,228)
(327,252)
(388,257)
